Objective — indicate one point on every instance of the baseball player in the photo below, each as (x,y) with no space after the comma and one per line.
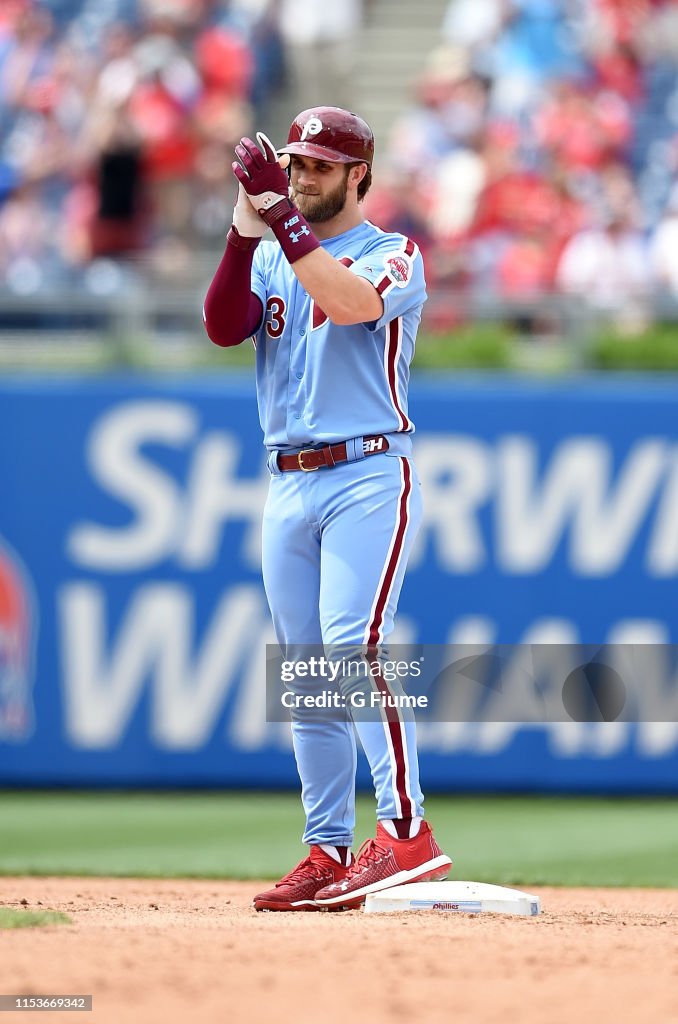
(333,305)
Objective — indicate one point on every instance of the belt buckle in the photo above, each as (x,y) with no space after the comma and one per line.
(300,462)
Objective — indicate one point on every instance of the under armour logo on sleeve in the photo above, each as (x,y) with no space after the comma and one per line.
(296,235)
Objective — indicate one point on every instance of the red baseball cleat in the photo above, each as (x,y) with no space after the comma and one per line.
(296,891)
(384,862)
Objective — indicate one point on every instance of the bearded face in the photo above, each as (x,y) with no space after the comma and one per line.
(321,203)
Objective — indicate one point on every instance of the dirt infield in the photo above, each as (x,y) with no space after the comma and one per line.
(164,952)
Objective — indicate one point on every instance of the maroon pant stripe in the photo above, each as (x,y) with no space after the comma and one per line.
(396,551)
(395,726)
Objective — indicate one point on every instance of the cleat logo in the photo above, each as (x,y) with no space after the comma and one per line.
(312,127)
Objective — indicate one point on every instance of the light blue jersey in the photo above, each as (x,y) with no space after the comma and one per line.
(336,541)
(318,382)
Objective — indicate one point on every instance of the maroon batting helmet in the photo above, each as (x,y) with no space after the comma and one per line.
(332,134)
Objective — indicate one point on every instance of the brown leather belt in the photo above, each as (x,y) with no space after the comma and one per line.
(325,458)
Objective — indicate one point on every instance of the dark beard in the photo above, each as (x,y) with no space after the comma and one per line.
(318,209)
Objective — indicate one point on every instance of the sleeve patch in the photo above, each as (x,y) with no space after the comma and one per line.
(399,269)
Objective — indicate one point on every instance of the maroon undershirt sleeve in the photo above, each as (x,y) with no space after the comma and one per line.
(232,312)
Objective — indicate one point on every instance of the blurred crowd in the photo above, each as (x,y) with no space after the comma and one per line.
(540,152)
(118,120)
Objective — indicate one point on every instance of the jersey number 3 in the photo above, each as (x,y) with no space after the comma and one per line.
(275,316)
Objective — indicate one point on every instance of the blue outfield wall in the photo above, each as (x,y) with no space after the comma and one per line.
(133,620)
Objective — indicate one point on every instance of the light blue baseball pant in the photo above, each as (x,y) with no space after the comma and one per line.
(335,547)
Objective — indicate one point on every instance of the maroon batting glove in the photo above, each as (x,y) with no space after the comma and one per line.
(263,179)
(267,187)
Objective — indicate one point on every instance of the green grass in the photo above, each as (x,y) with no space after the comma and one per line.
(508,840)
(30,918)
(474,346)
(655,349)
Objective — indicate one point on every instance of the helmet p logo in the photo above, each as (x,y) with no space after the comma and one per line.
(312,127)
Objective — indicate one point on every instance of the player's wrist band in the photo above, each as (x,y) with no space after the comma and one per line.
(292,231)
(239,241)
